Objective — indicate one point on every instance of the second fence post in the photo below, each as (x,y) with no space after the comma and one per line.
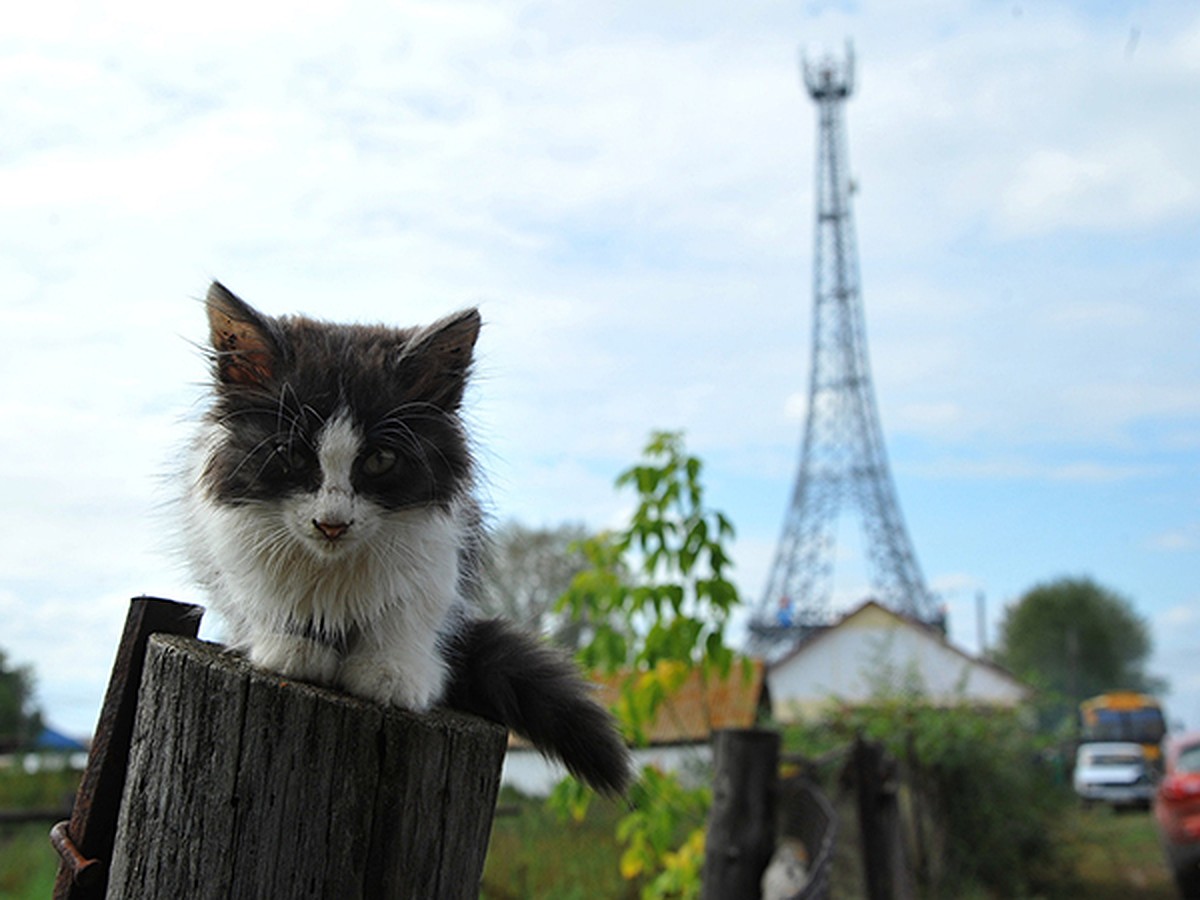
(741,825)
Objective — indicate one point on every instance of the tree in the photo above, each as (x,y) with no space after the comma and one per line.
(1076,638)
(20,718)
(528,569)
(658,602)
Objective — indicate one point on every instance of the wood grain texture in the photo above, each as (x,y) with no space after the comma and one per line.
(244,784)
(741,822)
(93,822)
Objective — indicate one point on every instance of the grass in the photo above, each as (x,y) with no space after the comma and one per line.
(41,790)
(1105,855)
(1113,855)
(535,854)
(28,864)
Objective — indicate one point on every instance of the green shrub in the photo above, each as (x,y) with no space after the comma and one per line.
(991,783)
(38,790)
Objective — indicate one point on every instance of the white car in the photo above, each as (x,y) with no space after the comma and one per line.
(1113,772)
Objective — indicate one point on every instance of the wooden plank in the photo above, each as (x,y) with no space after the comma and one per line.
(93,822)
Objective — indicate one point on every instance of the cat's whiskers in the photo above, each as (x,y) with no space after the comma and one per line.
(295,438)
(251,454)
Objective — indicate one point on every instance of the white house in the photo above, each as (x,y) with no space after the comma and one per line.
(873,652)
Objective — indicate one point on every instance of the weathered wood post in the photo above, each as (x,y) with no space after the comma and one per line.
(741,824)
(242,784)
(85,842)
(887,875)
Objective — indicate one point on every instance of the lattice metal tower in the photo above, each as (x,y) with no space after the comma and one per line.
(843,461)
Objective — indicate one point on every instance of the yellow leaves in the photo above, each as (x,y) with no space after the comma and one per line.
(678,870)
(689,858)
(667,676)
(634,861)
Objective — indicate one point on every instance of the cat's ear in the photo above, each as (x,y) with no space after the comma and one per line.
(445,350)
(243,348)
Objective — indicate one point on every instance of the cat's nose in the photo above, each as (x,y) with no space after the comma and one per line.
(332,530)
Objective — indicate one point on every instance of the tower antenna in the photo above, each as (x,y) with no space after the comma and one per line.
(843,461)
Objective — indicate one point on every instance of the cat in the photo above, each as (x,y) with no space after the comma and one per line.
(331,516)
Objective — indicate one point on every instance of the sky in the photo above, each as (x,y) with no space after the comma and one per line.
(625,190)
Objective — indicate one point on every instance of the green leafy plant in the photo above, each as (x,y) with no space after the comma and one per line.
(994,785)
(657,599)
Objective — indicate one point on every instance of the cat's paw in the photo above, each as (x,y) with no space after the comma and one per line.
(296,657)
(416,686)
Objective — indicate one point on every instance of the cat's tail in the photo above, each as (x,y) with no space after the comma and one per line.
(510,677)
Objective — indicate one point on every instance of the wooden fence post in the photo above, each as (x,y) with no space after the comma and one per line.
(741,824)
(242,784)
(87,839)
(888,876)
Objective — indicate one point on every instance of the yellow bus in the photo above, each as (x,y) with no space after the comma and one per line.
(1125,716)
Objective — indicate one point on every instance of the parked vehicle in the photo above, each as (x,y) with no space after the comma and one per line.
(1113,772)
(1177,811)
(1125,716)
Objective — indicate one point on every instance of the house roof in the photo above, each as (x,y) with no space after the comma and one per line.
(930,631)
(698,707)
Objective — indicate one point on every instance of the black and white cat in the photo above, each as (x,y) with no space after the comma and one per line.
(331,516)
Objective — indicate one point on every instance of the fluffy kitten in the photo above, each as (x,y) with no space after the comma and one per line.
(330,514)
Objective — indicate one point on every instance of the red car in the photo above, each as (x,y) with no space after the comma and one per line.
(1177,809)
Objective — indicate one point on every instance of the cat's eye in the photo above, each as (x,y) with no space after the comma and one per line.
(378,461)
(292,458)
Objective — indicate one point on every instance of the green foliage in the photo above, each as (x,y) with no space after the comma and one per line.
(28,864)
(1073,639)
(658,588)
(532,853)
(1099,854)
(997,787)
(20,719)
(1109,855)
(658,598)
(657,591)
(650,833)
(38,790)
(27,861)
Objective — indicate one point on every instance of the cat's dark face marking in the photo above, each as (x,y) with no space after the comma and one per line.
(281,385)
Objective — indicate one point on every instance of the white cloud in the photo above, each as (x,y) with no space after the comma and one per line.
(1176,540)
(626,192)
(1178,617)
(1112,187)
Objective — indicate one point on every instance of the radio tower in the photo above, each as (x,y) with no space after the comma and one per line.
(843,462)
